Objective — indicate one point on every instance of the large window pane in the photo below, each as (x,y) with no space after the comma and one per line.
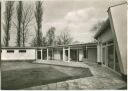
(50,54)
(117,67)
(103,55)
(111,56)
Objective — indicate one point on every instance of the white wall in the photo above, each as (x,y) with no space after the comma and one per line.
(28,55)
(118,20)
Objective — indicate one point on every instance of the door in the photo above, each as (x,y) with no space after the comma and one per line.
(39,54)
(44,54)
(66,55)
(74,55)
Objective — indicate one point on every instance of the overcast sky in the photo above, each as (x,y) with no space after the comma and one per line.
(75,16)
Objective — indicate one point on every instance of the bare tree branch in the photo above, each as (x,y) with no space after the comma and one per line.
(51,36)
(7,21)
(26,20)
(38,16)
(64,39)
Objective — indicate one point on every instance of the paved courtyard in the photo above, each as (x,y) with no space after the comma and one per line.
(102,78)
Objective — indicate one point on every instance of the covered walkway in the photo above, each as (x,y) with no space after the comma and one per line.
(67,53)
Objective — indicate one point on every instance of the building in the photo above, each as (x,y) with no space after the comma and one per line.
(67,53)
(110,49)
(112,40)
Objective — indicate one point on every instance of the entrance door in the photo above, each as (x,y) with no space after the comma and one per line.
(74,55)
(66,55)
(44,54)
(39,54)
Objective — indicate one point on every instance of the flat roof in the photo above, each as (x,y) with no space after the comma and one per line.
(57,46)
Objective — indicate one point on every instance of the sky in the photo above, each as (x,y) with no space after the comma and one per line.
(75,16)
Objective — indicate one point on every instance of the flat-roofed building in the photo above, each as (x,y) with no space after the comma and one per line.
(67,53)
(112,40)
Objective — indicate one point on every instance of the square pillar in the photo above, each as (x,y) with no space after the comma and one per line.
(47,54)
(52,54)
(99,53)
(63,54)
(69,54)
(41,54)
(77,55)
(86,52)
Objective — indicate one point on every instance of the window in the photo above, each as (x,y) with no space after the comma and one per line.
(22,51)
(117,67)
(10,51)
(111,56)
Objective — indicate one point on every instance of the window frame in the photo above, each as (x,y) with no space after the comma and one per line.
(22,51)
(10,51)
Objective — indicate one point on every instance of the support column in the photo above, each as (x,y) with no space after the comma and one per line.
(52,54)
(69,54)
(86,52)
(41,54)
(63,54)
(114,56)
(77,55)
(99,54)
(47,54)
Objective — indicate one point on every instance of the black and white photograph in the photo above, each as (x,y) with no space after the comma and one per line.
(63,44)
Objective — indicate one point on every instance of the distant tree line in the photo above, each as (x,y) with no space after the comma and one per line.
(22,23)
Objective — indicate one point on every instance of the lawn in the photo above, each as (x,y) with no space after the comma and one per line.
(38,74)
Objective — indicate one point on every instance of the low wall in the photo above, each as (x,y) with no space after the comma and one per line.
(30,54)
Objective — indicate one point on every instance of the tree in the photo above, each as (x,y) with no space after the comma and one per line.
(27,16)
(19,22)
(34,42)
(51,36)
(43,41)
(64,39)
(7,21)
(38,16)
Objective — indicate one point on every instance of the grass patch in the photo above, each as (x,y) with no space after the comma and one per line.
(23,78)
